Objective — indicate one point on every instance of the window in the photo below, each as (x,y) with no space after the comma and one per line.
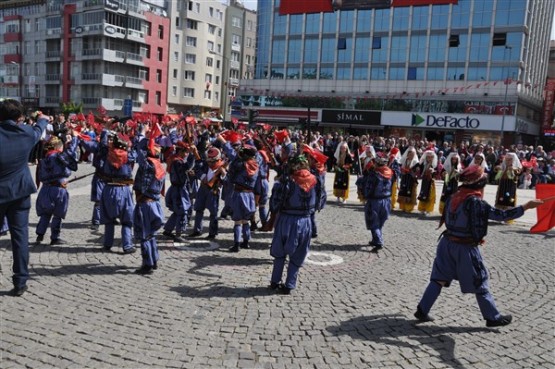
(158,98)
(175,74)
(209,62)
(377,43)
(342,43)
(176,38)
(189,75)
(236,22)
(159,54)
(191,41)
(190,59)
(158,76)
(192,24)
(210,46)
(211,12)
(219,14)
(217,80)
(248,42)
(177,21)
(188,92)
(236,39)
(208,78)
(174,90)
(207,94)
(211,29)
(176,56)
(249,25)
(499,39)
(454,41)
(161,32)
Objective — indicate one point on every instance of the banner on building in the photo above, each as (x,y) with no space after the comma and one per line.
(318,6)
(548,104)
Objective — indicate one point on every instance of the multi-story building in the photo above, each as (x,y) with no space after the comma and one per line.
(548,116)
(443,69)
(109,53)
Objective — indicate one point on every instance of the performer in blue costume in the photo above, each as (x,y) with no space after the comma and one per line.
(53,198)
(293,200)
(148,216)
(458,254)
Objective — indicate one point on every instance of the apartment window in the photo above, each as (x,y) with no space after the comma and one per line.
(377,43)
(207,94)
(177,21)
(217,80)
(249,25)
(159,54)
(209,62)
(219,14)
(217,96)
(190,58)
(247,59)
(174,90)
(189,75)
(176,56)
(161,32)
(219,32)
(188,92)
(210,46)
(248,42)
(236,39)
(211,12)
(208,78)
(454,41)
(191,41)
(192,24)
(175,74)
(158,75)
(236,22)
(176,38)
(197,7)
(190,5)
(211,29)
(143,97)
(158,98)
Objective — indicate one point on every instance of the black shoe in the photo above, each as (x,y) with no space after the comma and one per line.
(274,286)
(168,234)
(145,270)
(18,291)
(130,250)
(194,234)
(107,248)
(179,239)
(421,316)
(314,235)
(155,266)
(94,227)
(234,248)
(40,237)
(245,245)
(503,320)
(254,227)
(376,249)
(210,237)
(57,241)
(282,290)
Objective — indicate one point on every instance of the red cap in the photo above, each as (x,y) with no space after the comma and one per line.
(281,135)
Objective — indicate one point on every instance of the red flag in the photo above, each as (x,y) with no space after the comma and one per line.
(155,131)
(84,137)
(546,211)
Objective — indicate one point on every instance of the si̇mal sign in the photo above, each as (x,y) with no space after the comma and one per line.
(323,259)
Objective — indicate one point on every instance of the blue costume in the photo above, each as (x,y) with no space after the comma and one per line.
(262,187)
(99,151)
(16,186)
(178,200)
(376,189)
(458,255)
(208,195)
(148,215)
(53,198)
(117,197)
(293,228)
(243,173)
(321,196)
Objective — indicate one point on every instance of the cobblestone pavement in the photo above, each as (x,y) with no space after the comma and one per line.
(207,308)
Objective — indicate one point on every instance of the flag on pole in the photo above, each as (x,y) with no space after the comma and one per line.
(546,211)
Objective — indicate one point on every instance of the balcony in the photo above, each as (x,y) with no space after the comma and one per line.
(114,31)
(113,80)
(52,78)
(53,53)
(94,101)
(91,29)
(93,3)
(53,33)
(234,82)
(135,59)
(114,56)
(134,35)
(233,64)
(117,104)
(133,82)
(9,80)
(92,77)
(52,100)
(236,47)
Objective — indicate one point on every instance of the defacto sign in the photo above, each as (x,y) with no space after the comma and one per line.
(448,121)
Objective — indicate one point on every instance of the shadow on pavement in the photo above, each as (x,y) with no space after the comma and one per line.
(396,330)
(90,269)
(219,290)
(223,261)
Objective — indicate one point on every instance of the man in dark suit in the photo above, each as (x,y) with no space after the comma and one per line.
(16,184)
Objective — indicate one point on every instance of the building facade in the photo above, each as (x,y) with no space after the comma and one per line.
(98,53)
(447,70)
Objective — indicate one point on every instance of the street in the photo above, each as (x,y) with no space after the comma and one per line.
(207,308)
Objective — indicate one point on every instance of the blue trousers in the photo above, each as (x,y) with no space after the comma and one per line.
(17,213)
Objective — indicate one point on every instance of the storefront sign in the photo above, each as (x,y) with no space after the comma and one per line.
(447,121)
(112,4)
(351,116)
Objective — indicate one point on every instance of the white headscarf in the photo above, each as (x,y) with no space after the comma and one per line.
(483,164)
(447,164)
(516,161)
(425,155)
(414,160)
(338,151)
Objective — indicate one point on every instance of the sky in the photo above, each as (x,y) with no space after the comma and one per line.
(253,4)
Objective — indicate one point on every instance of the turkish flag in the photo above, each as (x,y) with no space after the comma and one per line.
(546,211)
(301,7)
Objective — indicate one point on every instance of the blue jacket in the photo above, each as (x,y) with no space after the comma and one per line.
(16,143)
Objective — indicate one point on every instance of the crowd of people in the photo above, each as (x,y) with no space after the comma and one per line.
(207,164)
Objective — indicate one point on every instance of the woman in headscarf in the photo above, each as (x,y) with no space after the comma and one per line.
(507,177)
(343,163)
(451,169)
(408,183)
(427,194)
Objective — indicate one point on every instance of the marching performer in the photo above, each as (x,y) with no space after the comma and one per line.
(408,181)
(451,170)
(427,194)
(507,177)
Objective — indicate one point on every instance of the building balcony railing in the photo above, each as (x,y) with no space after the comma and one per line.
(53,32)
(234,64)
(92,77)
(134,58)
(133,82)
(135,35)
(53,53)
(95,101)
(234,81)
(52,78)
(52,100)
(92,52)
